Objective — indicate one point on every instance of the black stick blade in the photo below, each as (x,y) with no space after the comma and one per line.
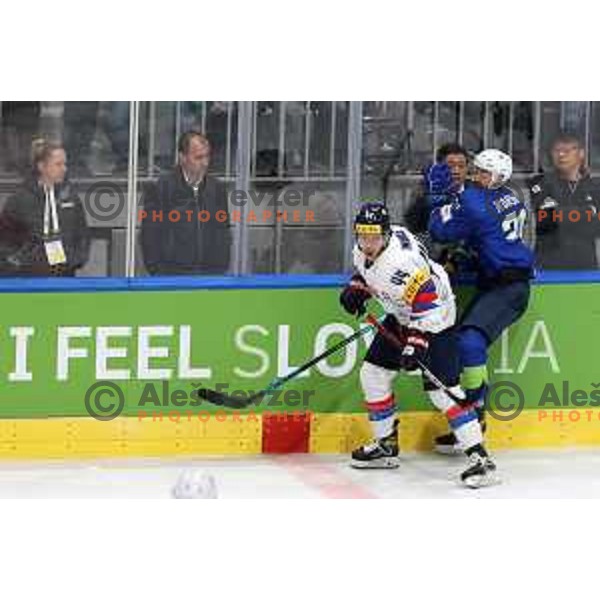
(212,396)
(219,399)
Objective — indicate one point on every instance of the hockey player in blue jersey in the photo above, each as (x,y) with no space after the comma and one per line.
(489,220)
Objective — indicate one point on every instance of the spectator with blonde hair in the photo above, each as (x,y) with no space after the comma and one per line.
(43,231)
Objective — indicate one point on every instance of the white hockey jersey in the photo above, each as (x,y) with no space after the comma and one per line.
(408,284)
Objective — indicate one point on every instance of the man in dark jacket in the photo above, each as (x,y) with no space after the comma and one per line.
(184,219)
(566,202)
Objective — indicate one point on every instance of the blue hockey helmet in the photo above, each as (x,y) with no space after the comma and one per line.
(373,218)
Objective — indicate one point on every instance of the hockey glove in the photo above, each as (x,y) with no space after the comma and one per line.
(415,350)
(439,185)
(458,259)
(354,296)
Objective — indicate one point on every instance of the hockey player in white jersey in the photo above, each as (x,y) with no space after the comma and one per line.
(392,267)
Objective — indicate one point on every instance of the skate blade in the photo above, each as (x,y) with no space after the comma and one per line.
(378,463)
(478,481)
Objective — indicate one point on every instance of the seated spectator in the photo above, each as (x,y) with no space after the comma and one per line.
(174,240)
(565,202)
(43,230)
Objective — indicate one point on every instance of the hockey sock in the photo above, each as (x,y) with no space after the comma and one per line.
(376,382)
(474,381)
(382,413)
(462,419)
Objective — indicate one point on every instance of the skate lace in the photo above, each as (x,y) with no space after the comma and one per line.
(476,459)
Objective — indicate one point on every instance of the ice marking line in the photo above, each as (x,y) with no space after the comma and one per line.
(327,480)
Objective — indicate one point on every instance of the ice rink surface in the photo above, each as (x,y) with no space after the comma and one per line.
(525,474)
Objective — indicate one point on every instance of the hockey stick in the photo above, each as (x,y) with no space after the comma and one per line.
(228,401)
(388,335)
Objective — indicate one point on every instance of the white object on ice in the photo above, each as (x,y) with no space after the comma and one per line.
(195,484)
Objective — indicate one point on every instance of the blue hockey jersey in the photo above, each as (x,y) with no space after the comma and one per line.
(490,222)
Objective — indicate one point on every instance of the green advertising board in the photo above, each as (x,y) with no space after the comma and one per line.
(158,347)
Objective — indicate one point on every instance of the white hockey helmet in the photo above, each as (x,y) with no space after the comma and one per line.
(495,162)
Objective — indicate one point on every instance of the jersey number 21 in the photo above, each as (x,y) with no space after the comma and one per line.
(514,224)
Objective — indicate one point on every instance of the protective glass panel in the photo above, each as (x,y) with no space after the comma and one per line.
(187,172)
(552,175)
(63,174)
(295,205)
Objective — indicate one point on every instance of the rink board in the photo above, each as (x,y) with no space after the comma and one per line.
(159,345)
(316,433)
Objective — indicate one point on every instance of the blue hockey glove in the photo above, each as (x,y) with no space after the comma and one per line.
(439,185)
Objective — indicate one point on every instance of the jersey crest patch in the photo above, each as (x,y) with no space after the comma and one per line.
(418,278)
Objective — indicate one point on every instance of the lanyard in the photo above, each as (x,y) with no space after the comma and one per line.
(195,185)
(50,211)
